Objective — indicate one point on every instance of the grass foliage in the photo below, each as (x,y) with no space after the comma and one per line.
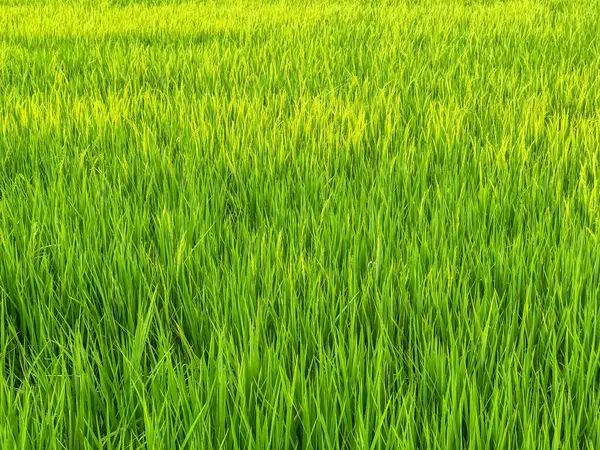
(303,225)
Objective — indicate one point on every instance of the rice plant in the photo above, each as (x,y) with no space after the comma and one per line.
(299,225)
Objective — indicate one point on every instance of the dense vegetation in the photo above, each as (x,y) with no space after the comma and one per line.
(299,225)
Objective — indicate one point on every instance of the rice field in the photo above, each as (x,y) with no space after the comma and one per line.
(300,225)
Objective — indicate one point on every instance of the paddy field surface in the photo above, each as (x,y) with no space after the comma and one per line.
(300,224)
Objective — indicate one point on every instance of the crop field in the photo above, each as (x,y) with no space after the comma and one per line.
(300,224)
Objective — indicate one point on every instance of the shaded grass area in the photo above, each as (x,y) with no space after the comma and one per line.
(321,225)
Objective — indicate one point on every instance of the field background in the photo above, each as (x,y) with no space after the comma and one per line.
(303,225)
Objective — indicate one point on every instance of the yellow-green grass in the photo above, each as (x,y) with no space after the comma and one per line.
(299,225)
